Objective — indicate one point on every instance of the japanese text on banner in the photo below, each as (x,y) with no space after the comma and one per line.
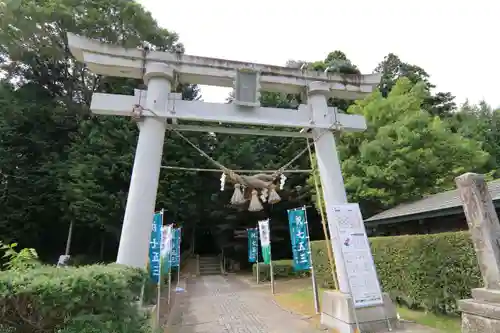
(175,256)
(155,248)
(297,220)
(252,245)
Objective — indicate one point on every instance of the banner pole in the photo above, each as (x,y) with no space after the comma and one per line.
(179,254)
(313,275)
(257,255)
(170,266)
(271,269)
(271,272)
(158,300)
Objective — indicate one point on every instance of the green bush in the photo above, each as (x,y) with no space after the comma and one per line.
(281,268)
(429,272)
(87,299)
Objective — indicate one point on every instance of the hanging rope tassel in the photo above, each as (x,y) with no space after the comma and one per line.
(237,198)
(222,182)
(273,195)
(255,204)
(263,194)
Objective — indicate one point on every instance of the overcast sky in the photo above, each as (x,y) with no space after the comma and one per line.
(456,42)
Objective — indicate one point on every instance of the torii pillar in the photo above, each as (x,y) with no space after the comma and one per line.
(338,310)
(146,170)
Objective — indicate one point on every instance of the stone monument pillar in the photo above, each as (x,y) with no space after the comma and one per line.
(481,314)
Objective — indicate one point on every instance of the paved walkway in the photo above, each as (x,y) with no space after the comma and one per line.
(219,304)
(226,304)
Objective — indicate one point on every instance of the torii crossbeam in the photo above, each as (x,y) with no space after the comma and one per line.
(160,69)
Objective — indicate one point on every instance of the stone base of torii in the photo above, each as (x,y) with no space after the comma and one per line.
(160,70)
(481,314)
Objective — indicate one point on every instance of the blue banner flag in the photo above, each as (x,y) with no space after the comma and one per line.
(253,245)
(299,235)
(175,256)
(154,248)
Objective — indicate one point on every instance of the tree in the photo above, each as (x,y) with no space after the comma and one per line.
(481,123)
(406,153)
(87,175)
(392,68)
(32,138)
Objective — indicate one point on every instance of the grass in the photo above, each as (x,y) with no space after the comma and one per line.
(444,324)
(296,296)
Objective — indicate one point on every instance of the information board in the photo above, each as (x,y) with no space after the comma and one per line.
(356,252)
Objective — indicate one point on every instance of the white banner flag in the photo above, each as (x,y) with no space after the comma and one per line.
(166,241)
(265,240)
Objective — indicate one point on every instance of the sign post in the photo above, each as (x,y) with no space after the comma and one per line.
(301,247)
(257,254)
(265,242)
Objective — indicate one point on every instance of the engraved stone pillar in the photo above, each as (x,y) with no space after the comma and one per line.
(481,314)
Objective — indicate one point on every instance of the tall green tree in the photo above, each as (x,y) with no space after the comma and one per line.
(91,156)
(481,123)
(393,68)
(406,153)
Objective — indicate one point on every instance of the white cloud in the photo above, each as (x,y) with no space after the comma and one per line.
(451,40)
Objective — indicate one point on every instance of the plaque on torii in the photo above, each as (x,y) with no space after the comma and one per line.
(160,69)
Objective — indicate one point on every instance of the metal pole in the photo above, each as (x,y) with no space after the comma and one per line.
(271,271)
(158,299)
(158,296)
(179,254)
(141,296)
(257,255)
(222,261)
(170,267)
(179,274)
(194,239)
(313,275)
(70,236)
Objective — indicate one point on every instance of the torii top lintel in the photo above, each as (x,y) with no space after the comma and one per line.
(112,60)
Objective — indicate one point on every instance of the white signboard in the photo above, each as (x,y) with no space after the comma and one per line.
(166,241)
(357,255)
(264,232)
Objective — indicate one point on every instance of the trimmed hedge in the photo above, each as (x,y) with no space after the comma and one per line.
(281,268)
(88,299)
(430,272)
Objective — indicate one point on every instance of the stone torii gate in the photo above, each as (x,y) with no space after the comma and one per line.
(160,69)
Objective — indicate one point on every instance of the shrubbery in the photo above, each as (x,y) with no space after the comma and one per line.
(429,272)
(281,268)
(88,299)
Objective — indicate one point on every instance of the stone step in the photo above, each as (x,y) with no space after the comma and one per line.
(208,259)
(210,268)
(210,272)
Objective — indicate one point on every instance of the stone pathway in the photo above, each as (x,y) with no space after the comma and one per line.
(219,304)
